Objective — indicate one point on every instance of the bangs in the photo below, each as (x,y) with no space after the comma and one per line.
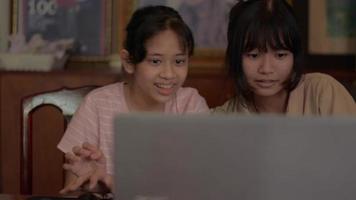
(271,33)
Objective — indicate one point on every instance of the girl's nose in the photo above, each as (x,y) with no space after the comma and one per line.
(167,72)
(266,65)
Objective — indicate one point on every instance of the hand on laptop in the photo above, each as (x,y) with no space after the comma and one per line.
(88,164)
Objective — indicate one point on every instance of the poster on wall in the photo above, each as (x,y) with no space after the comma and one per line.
(4,24)
(86,21)
(332,27)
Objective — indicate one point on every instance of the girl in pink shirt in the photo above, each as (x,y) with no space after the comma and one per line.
(155,62)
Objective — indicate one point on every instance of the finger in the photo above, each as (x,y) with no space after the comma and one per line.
(65,190)
(93,181)
(77,183)
(98,156)
(67,166)
(71,187)
(78,151)
(70,158)
(68,189)
(87,145)
(90,147)
(108,180)
(78,171)
(96,153)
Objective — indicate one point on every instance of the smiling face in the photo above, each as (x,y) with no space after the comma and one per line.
(267,72)
(163,71)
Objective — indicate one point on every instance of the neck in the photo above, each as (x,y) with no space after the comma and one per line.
(272,104)
(136,102)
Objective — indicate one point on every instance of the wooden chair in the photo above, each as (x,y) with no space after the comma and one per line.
(44,119)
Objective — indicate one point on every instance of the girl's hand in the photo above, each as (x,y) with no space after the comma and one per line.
(88,164)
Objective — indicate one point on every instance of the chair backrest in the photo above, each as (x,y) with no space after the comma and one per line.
(41,162)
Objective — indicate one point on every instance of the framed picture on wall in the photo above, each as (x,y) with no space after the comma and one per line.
(4,24)
(332,27)
(88,22)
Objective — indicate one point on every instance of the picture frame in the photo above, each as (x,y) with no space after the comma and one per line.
(4,24)
(332,26)
(316,61)
(88,22)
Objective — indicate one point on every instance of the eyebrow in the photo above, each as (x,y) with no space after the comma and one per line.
(158,54)
(154,54)
(181,54)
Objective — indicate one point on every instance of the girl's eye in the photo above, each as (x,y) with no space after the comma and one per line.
(281,55)
(155,61)
(180,62)
(252,55)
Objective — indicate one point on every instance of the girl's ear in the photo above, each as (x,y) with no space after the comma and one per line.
(126,63)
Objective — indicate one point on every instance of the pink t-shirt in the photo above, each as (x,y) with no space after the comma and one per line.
(93,121)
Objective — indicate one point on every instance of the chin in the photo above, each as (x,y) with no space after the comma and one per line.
(163,99)
(266,93)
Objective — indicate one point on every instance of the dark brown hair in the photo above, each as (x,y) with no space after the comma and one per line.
(148,21)
(258,24)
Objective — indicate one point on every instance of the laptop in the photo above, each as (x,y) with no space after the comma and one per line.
(160,157)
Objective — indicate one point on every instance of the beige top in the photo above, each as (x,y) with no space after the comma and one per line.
(316,94)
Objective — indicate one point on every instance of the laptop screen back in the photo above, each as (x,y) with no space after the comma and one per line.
(160,157)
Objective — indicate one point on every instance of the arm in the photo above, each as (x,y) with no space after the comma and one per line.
(334,99)
(82,128)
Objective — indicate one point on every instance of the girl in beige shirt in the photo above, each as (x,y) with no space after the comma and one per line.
(263,53)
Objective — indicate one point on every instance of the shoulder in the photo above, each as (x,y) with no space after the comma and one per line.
(107,90)
(190,100)
(188,93)
(321,84)
(320,80)
(104,96)
(232,106)
(316,76)
(326,94)
(229,106)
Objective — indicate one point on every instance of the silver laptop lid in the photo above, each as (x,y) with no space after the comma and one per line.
(160,157)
